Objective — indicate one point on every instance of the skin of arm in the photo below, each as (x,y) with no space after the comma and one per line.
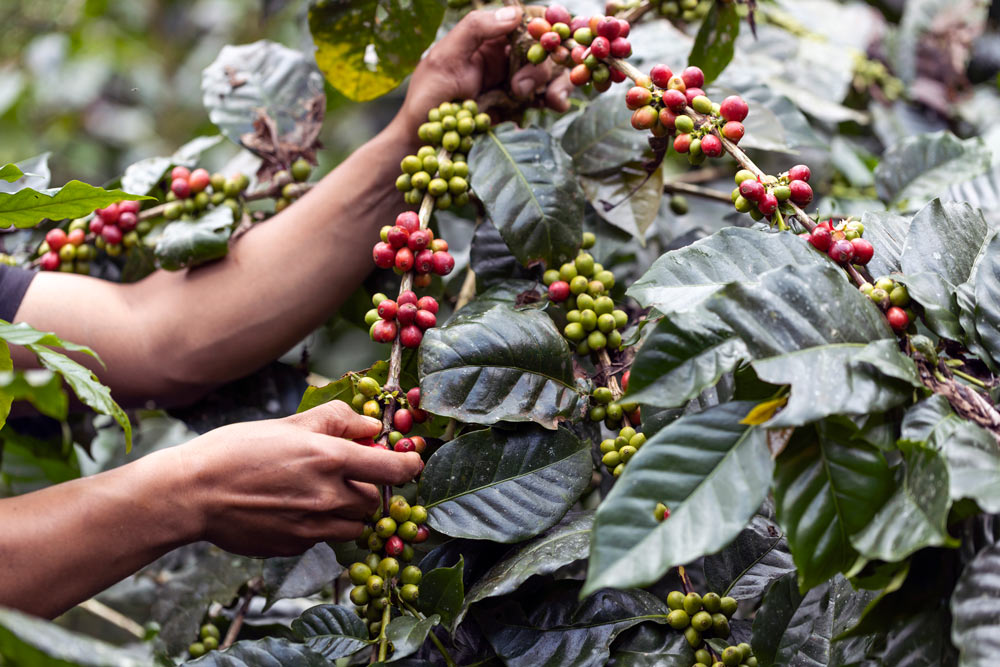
(173,336)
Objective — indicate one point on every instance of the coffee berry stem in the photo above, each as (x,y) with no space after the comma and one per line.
(675,187)
(616,389)
(383,640)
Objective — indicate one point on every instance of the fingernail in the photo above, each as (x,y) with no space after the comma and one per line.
(524,88)
(373,421)
(505,14)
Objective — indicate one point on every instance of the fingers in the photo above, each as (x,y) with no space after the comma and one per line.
(557,94)
(329,527)
(530,78)
(364,499)
(381,466)
(478,27)
(336,418)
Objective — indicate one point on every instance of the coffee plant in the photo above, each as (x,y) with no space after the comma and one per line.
(703,371)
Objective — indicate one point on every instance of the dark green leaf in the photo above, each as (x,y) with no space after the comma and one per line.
(248,81)
(525,181)
(366,48)
(504,486)
(331,630)
(183,244)
(299,576)
(10,173)
(503,364)
(916,515)
(442,591)
(492,260)
(887,232)
(268,652)
(629,198)
(945,238)
(716,41)
(975,609)
(983,192)
(685,354)
(407,634)
(560,545)
(937,298)
(745,569)
(566,632)
(26,640)
(503,294)
(795,629)
(987,296)
(42,388)
(683,278)
(30,464)
(648,645)
(28,207)
(601,139)
(689,466)
(917,641)
(828,486)
(921,167)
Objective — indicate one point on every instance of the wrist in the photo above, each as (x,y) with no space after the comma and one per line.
(170,479)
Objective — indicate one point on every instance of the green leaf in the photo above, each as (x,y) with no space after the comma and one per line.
(648,645)
(987,299)
(566,542)
(504,486)
(629,198)
(525,181)
(24,334)
(745,569)
(945,238)
(28,207)
(264,79)
(685,354)
(366,48)
(681,279)
(937,297)
(828,486)
(184,244)
(408,634)
(331,630)
(918,168)
(792,628)
(566,632)
(42,388)
(711,472)
(442,591)
(30,464)
(716,41)
(916,515)
(503,364)
(26,640)
(887,232)
(10,173)
(142,176)
(969,450)
(601,139)
(299,576)
(267,652)
(975,610)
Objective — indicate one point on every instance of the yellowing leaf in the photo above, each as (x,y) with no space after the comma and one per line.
(763,411)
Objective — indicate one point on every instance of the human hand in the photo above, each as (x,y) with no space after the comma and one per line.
(277,487)
(473,58)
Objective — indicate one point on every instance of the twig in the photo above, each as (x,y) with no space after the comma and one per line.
(635,13)
(685,580)
(237,624)
(383,641)
(114,617)
(697,191)
(468,290)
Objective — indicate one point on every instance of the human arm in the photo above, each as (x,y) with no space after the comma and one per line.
(172,336)
(270,488)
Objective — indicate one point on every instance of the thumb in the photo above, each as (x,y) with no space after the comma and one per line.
(337,419)
(481,26)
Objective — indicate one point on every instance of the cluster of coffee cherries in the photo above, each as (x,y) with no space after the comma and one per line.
(893,299)
(383,577)
(700,616)
(67,251)
(842,242)
(368,400)
(208,640)
(762,197)
(687,11)
(299,172)
(583,42)
(740,655)
(405,246)
(192,192)
(616,452)
(406,316)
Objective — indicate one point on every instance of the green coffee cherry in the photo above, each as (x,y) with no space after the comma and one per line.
(607,445)
(720,626)
(411,574)
(728,605)
(369,386)
(731,656)
(388,567)
(597,340)
(684,124)
(550,276)
(588,319)
(386,527)
(584,264)
(744,175)
(596,413)
(360,595)
(606,323)
(692,601)
(209,630)
(585,302)
(626,453)
(693,637)
(603,395)
(678,619)
(603,305)
(711,602)
(574,331)
(701,621)
(611,459)
(567,271)
(196,650)
(606,278)
(675,600)
(588,240)
(359,573)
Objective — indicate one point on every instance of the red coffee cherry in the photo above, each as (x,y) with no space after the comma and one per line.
(558,14)
(821,238)
(426,319)
(180,187)
(682,143)
(443,263)
(579,75)
(863,251)
(384,331)
(404,259)
(578,54)
(419,443)
(428,303)
(693,77)
(402,420)
(550,41)
(734,107)
(408,220)
(397,237)
(668,119)
(637,97)
(96,224)
(127,221)
(413,397)
(559,291)
(406,297)
(625,377)
(423,532)
(394,546)
(404,445)
(608,27)
(600,47)
(660,75)
(675,100)
(691,93)
(898,319)
(418,240)
(109,215)
(423,261)
(383,255)
(802,194)
(799,172)
(623,28)
(49,261)
(199,180)
(841,251)
(644,118)
(387,309)
(621,47)
(56,238)
(180,172)
(768,204)
(422,280)
(617,75)
(538,27)
(112,234)
(367,442)
(752,190)
(406,313)
(410,336)
(439,244)
(711,145)
(75,237)
(129,206)
(733,130)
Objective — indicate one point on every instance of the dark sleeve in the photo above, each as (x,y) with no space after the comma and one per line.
(14,283)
